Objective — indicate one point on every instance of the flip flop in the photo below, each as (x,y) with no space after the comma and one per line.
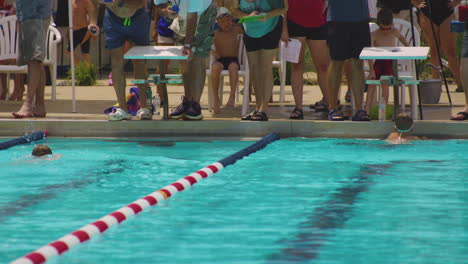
(464,114)
(15,115)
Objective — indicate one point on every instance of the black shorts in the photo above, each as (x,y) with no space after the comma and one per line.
(269,41)
(226,61)
(78,36)
(347,39)
(311,33)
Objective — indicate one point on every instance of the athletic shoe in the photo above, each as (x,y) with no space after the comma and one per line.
(179,111)
(361,115)
(193,112)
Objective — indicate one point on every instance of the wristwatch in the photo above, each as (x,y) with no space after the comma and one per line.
(188,46)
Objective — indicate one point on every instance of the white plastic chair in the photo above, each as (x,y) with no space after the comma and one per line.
(9,48)
(281,65)
(242,72)
(406,68)
(53,39)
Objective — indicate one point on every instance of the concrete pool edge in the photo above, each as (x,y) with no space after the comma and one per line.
(227,128)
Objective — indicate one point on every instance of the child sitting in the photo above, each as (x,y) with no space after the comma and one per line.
(404,127)
(226,42)
(385,36)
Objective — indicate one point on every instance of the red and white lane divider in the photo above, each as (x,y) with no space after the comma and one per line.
(83,234)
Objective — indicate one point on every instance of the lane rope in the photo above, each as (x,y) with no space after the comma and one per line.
(86,232)
(36,136)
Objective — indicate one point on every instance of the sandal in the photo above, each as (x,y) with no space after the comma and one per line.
(461,116)
(361,115)
(259,116)
(297,114)
(144,114)
(249,116)
(120,115)
(335,115)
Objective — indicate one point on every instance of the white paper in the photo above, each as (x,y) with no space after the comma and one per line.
(291,52)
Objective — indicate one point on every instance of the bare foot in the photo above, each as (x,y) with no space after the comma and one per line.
(39,111)
(230,103)
(25,111)
(216,109)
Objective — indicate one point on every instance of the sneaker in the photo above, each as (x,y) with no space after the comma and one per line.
(193,112)
(361,115)
(178,112)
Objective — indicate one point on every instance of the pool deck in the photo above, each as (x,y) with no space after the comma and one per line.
(89,120)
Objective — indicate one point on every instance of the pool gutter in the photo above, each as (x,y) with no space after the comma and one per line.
(227,128)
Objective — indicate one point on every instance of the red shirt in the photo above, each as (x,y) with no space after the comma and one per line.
(307,13)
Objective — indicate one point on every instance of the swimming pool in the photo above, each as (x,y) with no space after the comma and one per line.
(298,200)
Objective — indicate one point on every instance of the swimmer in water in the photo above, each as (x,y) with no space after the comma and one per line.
(44,152)
(404,127)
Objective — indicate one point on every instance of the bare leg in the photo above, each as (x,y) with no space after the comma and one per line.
(233,69)
(141,73)
(118,76)
(357,81)
(448,47)
(254,58)
(464,70)
(297,76)
(86,57)
(320,55)
(370,97)
(429,36)
(216,69)
(18,91)
(34,83)
(266,73)
(194,78)
(39,104)
(335,74)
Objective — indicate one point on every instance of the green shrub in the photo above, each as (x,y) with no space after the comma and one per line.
(374,112)
(85,74)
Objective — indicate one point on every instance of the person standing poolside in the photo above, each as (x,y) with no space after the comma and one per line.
(437,14)
(82,10)
(261,40)
(33,22)
(125,20)
(348,34)
(463,115)
(194,29)
(306,22)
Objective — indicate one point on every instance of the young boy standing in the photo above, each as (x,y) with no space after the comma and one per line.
(385,36)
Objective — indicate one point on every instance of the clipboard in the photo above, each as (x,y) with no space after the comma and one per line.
(250,19)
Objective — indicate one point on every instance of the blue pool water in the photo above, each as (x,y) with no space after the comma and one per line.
(296,201)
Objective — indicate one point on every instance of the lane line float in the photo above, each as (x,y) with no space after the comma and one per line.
(99,226)
(36,136)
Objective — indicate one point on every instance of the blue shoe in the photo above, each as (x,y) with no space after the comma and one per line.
(193,112)
(361,115)
(178,112)
(335,115)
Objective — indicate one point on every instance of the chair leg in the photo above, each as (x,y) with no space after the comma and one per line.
(7,84)
(210,93)
(54,81)
(403,98)
(221,89)
(414,104)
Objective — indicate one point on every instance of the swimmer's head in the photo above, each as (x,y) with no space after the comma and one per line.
(41,150)
(403,123)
